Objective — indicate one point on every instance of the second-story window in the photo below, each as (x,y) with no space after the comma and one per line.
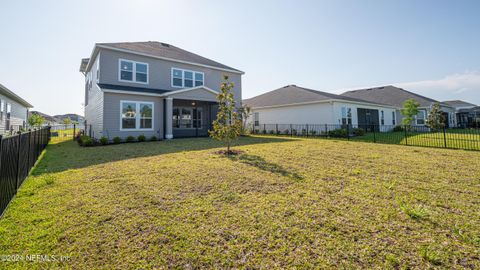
(131,71)
(187,78)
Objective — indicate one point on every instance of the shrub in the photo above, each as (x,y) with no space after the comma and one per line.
(264,131)
(286,132)
(271,132)
(141,138)
(358,131)
(153,138)
(130,139)
(313,132)
(103,140)
(304,132)
(117,140)
(87,141)
(294,132)
(398,128)
(339,132)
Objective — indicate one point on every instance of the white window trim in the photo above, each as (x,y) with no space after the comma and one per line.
(134,71)
(183,77)
(191,110)
(424,118)
(346,115)
(137,115)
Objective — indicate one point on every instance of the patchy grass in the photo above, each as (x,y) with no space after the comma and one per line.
(283,203)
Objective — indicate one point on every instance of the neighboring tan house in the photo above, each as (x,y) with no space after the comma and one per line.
(13,111)
(395,97)
(468,114)
(292,104)
(152,89)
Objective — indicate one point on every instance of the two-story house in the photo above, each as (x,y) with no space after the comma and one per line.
(152,88)
(13,111)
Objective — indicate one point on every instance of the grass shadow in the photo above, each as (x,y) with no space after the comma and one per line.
(67,155)
(262,164)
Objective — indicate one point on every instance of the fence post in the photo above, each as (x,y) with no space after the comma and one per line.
(326,131)
(291,133)
(348,132)
(444,137)
(1,140)
(18,161)
(264,129)
(374,134)
(74,126)
(276,129)
(405,133)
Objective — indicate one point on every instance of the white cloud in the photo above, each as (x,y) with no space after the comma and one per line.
(464,86)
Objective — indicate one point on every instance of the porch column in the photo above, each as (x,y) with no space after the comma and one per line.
(168,118)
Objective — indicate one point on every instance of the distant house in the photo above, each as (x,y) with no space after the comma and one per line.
(395,97)
(468,114)
(152,89)
(292,104)
(13,111)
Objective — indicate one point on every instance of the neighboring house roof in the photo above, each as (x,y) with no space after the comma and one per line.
(390,95)
(459,104)
(159,50)
(6,92)
(292,94)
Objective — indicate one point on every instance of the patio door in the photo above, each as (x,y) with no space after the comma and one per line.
(368,119)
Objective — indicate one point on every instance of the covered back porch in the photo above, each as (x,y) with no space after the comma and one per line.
(189,112)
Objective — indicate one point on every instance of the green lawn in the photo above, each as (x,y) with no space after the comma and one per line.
(456,139)
(285,202)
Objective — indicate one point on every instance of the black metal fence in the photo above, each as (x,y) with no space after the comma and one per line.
(454,138)
(18,154)
(65,132)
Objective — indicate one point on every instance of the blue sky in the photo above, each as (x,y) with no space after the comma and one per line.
(429,47)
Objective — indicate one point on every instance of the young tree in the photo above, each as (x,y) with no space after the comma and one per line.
(245,112)
(435,119)
(410,110)
(228,126)
(67,121)
(35,120)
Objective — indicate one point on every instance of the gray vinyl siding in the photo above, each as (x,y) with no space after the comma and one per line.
(111,115)
(159,73)
(94,106)
(18,116)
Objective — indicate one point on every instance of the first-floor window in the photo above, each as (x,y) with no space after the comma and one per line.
(256,117)
(136,115)
(394,121)
(382,117)
(420,118)
(346,116)
(187,117)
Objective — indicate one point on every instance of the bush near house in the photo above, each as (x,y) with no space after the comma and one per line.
(141,138)
(104,140)
(130,139)
(117,140)
(339,132)
(153,138)
(358,131)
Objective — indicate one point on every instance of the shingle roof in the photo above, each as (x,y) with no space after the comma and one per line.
(7,92)
(459,103)
(131,88)
(292,94)
(390,95)
(165,50)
